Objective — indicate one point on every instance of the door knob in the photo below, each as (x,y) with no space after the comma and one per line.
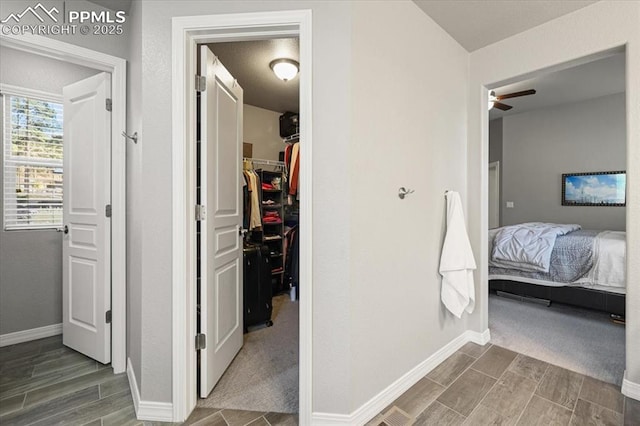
(65,229)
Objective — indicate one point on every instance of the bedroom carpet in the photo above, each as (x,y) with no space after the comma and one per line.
(264,374)
(577,339)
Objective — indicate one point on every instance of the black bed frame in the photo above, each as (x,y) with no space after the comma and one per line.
(611,303)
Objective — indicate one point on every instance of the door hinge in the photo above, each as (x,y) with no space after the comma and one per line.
(107,210)
(201,212)
(201,83)
(108,104)
(107,317)
(201,341)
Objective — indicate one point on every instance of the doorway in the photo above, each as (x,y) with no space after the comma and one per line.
(48,47)
(544,137)
(188,32)
(248,119)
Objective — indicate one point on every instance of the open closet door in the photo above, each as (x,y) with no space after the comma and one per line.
(221,198)
(86,245)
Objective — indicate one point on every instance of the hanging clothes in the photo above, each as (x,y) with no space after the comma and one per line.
(287,169)
(295,169)
(292,258)
(246,201)
(254,185)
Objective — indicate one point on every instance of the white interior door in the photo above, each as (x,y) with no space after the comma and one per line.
(494,195)
(220,242)
(86,284)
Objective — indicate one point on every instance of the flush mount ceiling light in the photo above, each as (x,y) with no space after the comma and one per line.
(285,69)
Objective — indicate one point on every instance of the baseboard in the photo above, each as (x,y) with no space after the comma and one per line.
(479,338)
(133,385)
(375,405)
(155,411)
(147,410)
(329,419)
(28,335)
(630,389)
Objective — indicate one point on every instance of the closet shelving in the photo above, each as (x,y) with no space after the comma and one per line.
(272,206)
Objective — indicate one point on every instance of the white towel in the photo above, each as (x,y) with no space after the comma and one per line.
(457,262)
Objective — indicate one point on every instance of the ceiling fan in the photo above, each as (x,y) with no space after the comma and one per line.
(494,100)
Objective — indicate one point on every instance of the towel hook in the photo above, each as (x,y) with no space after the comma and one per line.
(403,192)
(133,137)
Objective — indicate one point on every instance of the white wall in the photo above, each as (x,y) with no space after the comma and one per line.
(539,146)
(403,135)
(31,272)
(262,129)
(602,26)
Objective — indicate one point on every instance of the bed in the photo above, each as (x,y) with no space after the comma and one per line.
(560,263)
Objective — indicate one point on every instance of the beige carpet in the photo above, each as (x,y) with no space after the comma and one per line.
(264,374)
(577,339)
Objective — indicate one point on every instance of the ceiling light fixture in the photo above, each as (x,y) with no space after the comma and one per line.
(285,69)
(492,99)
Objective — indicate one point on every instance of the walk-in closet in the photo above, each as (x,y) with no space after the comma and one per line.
(260,284)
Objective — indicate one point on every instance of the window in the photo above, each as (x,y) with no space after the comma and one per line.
(32,160)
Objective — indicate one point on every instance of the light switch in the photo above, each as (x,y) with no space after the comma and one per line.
(509,204)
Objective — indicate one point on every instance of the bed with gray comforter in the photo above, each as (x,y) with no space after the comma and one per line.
(555,255)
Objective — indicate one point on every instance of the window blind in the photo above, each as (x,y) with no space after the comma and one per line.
(33,150)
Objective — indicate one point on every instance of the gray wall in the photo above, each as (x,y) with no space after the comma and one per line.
(357,274)
(134,193)
(402,135)
(31,260)
(331,133)
(540,145)
(495,140)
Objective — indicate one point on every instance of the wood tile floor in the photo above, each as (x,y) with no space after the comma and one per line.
(44,383)
(490,385)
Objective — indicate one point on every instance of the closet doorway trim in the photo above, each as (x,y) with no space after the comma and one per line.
(187,33)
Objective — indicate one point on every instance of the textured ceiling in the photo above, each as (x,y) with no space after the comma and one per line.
(587,81)
(248,62)
(475,24)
